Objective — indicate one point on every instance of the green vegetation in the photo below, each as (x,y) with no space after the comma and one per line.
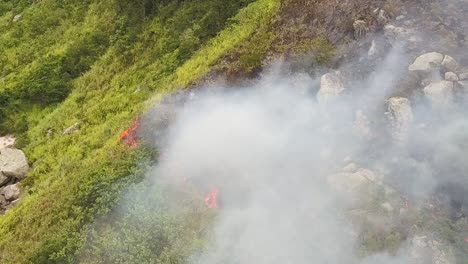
(149,227)
(73,61)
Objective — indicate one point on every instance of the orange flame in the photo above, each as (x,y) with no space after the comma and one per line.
(211,199)
(129,136)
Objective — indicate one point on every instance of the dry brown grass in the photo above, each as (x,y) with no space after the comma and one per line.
(298,27)
(332,19)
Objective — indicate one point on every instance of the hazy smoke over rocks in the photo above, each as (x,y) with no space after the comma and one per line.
(297,175)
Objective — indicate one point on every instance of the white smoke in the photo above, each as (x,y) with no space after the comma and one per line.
(269,149)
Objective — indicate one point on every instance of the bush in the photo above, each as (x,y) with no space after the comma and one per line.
(47,84)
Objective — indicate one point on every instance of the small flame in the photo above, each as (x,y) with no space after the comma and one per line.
(211,199)
(129,136)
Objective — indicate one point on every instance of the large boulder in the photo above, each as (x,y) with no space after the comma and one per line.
(13,163)
(427,63)
(331,85)
(400,117)
(10,192)
(440,94)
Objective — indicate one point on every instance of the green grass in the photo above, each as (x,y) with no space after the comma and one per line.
(79,177)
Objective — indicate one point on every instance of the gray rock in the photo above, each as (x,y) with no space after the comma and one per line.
(72,129)
(427,62)
(331,85)
(13,163)
(400,17)
(451,76)
(440,94)
(17,18)
(450,64)
(400,117)
(10,192)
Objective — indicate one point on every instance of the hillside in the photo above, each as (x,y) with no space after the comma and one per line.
(82,62)
(130,112)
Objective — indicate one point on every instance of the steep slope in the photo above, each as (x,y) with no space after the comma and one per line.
(124,54)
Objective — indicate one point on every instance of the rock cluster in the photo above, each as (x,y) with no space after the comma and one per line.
(439,79)
(442,77)
(13,168)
